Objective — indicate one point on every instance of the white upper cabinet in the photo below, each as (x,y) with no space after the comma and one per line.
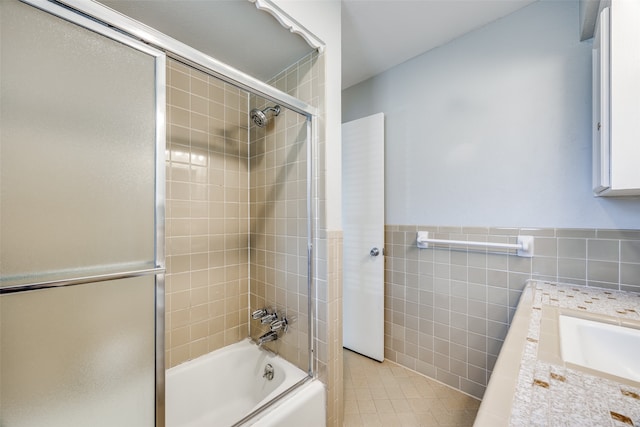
(616,100)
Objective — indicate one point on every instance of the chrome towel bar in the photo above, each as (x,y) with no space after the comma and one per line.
(524,245)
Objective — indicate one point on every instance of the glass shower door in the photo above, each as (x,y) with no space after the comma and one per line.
(81,222)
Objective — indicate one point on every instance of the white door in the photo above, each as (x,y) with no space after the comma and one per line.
(363,224)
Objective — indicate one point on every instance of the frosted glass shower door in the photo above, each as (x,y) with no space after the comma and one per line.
(81,221)
(79,355)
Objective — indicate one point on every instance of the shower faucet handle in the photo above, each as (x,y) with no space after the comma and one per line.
(259,314)
(279,325)
(268,318)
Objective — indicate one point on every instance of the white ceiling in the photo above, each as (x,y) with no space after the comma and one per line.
(376,34)
(379,34)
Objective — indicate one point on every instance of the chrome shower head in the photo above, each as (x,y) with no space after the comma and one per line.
(260,118)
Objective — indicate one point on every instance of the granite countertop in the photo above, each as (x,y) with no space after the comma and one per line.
(531,385)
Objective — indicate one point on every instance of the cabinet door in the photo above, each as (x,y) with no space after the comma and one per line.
(624,66)
(616,100)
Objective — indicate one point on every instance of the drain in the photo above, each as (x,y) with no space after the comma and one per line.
(268,372)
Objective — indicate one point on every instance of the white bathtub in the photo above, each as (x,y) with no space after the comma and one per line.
(221,388)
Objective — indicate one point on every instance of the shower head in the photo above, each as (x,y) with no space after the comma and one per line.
(260,118)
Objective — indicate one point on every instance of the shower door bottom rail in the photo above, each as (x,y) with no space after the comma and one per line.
(56,283)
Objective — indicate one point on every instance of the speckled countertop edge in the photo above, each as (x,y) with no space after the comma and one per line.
(548,394)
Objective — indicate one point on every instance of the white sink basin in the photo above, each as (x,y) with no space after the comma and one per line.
(612,349)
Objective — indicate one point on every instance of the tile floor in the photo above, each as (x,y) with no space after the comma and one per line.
(388,395)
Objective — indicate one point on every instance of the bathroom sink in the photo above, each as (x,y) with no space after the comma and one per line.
(603,347)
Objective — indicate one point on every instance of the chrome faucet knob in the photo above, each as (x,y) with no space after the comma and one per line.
(259,313)
(278,325)
(268,318)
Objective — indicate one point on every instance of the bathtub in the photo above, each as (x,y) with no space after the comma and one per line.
(223,387)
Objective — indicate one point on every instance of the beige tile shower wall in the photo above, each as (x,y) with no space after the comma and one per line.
(278,239)
(306,81)
(278,183)
(207,214)
(447,311)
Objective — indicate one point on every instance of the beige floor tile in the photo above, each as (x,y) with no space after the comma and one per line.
(409,391)
(352,420)
(408,419)
(405,381)
(399,371)
(359,381)
(367,407)
(375,382)
(452,403)
(457,418)
(389,395)
(426,420)
(390,420)
(351,407)
(390,381)
(371,420)
(379,393)
(401,406)
(459,402)
(395,392)
(420,405)
(385,371)
(436,404)
(471,403)
(349,394)
(423,386)
(384,406)
(364,393)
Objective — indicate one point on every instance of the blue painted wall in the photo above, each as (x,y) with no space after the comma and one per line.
(494,128)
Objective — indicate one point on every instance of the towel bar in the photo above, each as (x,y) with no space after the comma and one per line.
(524,244)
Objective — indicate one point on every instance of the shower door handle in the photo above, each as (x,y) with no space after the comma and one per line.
(374,252)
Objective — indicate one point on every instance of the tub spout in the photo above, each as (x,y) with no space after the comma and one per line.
(269,336)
